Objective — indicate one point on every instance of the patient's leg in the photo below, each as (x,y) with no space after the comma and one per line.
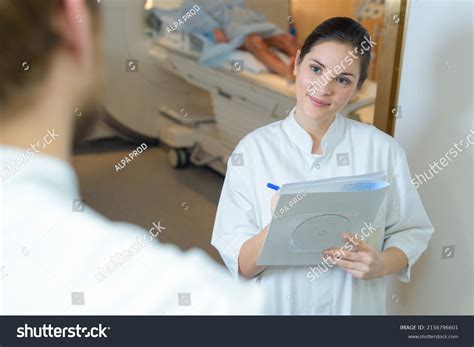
(284,42)
(256,44)
(287,44)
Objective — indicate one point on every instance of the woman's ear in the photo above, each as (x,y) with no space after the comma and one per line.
(297,58)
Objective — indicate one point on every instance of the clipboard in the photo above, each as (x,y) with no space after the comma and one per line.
(312,216)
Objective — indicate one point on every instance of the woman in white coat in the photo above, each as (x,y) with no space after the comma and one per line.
(315,142)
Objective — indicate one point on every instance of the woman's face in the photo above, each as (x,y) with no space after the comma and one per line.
(326,80)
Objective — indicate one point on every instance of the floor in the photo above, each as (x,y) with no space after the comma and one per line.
(147,190)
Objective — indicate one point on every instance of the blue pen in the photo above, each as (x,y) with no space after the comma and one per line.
(273,186)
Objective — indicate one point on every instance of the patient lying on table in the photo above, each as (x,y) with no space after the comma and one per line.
(232,26)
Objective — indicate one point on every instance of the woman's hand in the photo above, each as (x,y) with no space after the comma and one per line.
(362,261)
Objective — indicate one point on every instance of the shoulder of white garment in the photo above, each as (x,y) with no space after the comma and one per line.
(268,135)
(151,275)
(373,131)
(383,141)
(122,268)
(263,135)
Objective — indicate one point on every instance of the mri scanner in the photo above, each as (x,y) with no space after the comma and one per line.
(133,94)
(155,88)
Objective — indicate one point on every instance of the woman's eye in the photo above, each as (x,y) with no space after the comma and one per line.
(343,81)
(316,69)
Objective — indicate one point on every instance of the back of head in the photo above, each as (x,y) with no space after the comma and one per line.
(29,38)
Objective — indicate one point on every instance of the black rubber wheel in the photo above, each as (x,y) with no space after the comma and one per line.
(178,158)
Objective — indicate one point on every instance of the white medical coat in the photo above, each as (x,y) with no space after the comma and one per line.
(280,153)
(58,262)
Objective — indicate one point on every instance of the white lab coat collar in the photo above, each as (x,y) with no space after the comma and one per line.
(47,171)
(303,140)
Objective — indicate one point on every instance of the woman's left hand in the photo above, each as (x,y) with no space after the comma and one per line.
(362,261)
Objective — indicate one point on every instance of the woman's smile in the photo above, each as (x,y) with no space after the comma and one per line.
(318,103)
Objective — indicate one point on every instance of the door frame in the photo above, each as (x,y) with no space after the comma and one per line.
(387,110)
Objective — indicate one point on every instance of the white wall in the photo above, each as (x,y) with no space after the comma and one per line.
(436,99)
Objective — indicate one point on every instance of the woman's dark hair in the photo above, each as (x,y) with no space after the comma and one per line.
(344,30)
